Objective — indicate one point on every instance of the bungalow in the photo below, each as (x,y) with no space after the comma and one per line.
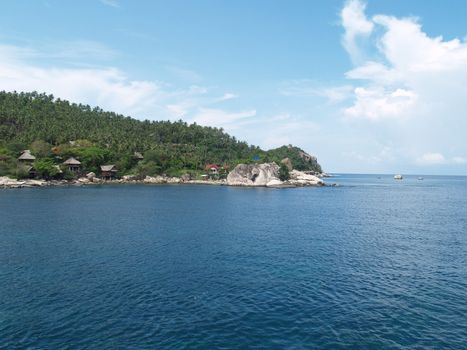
(108,172)
(213,169)
(73,164)
(26,157)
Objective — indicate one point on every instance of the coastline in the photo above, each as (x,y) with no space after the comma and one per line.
(9,183)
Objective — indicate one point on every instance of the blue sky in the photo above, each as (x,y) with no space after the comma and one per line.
(376,86)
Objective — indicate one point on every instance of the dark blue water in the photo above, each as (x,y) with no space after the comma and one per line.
(374,264)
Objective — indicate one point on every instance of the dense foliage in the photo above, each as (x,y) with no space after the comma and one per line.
(54,129)
(284,174)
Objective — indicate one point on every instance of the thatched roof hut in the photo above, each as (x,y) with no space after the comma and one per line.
(108,171)
(73,164)
(108,168)
(26,156)
(72,161)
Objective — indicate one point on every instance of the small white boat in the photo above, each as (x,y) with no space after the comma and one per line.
(420,178)
(398,177)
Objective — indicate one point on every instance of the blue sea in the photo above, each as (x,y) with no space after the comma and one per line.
(371,264)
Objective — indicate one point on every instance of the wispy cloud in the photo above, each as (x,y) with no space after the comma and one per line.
(184,74)
(71,51)
(309,88)
(220,117)
(111,3)
(228,96)
(437,158)
(356,26)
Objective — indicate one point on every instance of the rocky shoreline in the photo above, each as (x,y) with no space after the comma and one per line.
(6,182)
(251,175)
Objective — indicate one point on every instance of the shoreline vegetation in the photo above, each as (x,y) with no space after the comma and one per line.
(46,141)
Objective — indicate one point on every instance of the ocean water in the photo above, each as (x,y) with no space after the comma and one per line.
(374,264)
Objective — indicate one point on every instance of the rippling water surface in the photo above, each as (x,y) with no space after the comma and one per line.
(373,263)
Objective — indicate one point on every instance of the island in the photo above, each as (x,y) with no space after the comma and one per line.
(46,141)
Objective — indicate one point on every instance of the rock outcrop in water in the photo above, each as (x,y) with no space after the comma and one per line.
(267,174)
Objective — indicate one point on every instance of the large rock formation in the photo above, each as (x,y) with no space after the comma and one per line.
(307,157)
(6,182)
(253,174)
(267,174)
(299,178)
(161,180)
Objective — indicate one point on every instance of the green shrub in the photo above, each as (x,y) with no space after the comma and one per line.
(46,168)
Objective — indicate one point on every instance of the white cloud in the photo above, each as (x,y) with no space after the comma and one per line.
(356,25)
(414,71)
(336,94)
(408,84)
(408,49)
(375,103)
(375,72)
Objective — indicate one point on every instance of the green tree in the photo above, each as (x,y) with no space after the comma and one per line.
(41,149)
(284,173)
(46,168)
(92,157)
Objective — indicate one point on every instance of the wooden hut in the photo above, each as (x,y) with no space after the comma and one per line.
(108,172)
(73,164)
(26,157)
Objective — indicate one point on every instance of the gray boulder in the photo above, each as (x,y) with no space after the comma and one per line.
(299,178)
(253,174)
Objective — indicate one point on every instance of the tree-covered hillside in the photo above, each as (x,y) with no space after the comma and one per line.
(55,129)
